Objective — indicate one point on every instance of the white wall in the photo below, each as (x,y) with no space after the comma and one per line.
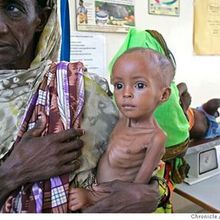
(201,73)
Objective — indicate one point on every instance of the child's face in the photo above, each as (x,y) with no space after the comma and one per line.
(137,86)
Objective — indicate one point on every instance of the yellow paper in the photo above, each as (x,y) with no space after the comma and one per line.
(207,27)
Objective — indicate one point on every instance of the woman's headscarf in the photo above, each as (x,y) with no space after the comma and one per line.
(17,86)
(49,42)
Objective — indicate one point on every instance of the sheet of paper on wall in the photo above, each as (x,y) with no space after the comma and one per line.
(90,49)
(206,27)
(104,15)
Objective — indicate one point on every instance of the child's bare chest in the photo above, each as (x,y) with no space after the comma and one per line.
(127,146)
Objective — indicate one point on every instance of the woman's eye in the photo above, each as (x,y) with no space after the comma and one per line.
(14,10)
(118,85)
(139,85)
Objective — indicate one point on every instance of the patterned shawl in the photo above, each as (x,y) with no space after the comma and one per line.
(62,86)
(61,97)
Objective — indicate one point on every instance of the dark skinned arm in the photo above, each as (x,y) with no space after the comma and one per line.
(185,97)
(126,197)
(37,158)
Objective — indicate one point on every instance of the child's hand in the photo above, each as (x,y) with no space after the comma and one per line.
(78,199)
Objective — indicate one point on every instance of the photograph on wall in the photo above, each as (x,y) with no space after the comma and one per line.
(164,7)
(105,15)
(206,35)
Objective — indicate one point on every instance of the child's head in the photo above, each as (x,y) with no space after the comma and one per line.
(141,79)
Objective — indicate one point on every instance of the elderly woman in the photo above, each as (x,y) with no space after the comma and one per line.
(42,106)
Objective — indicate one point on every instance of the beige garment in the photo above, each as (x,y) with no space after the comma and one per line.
(99,118)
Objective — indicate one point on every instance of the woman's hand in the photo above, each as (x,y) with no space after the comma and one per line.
(126,198)
(38,157)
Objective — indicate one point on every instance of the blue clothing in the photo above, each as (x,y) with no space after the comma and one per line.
(214,126)
(82,9)
(65,26)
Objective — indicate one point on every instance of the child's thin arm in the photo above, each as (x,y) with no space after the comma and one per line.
(152,159)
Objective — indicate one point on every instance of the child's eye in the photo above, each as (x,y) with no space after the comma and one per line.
(140,85)
(118,86)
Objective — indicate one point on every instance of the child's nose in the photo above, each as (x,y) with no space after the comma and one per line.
(127,92)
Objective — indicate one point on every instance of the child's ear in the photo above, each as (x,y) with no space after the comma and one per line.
(43,18)
(165,95)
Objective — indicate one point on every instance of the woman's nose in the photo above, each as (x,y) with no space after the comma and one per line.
(3,25)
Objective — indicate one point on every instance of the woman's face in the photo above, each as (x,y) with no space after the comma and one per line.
(19,21)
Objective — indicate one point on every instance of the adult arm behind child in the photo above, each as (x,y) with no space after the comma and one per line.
(145,198)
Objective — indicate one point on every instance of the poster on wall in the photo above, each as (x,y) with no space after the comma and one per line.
(164,7)
(206,35)
(105,15)
(90,49)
